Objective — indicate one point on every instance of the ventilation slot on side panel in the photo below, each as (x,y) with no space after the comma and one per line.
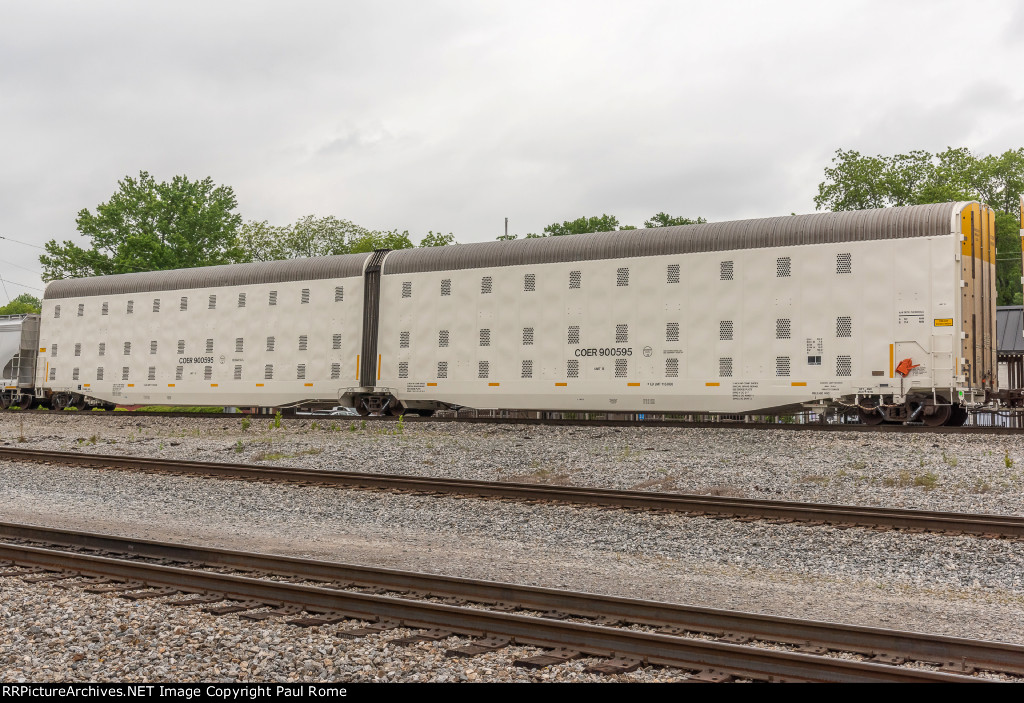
(124,373)
(273,297)
(844,326)
(783,267)
(209,346)
(446,287)
(103,349)
(179,372)
(486,285)
(622,277)
(152,347)
(131,307)
(725,330)
(208,373)
(572,368)
(782,366)
(672,273)
(442,338)
(56,315)
(575,279)
(485,338)
(335,372)
(53,349)
(270,344)
(212,304)
(127,348)
(783,328)
(183,306)
(483,369)
(156,304)
(151,376)
(336,342)
(303,342)
(574,334)
(403,340)
(339,294)
(725,367)
(621,334)
(239,345)
(725,271)
(241,300)
(300,372)
(268,372)
(530,283)
(81,309)
(406,289)
(105,309)
(75,372)
(844,263)
(527,368)
(53,373)
(238,372)
(672,332)
(527,336)
(99,373)
(304,297)
(403,369)
(78,349)
(181,346)
(621,368)
(672,367)
(844,366)
(442,369)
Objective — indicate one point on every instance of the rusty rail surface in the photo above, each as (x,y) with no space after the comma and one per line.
(596,640)
(988,525)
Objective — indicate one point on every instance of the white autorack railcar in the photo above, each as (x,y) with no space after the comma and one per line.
(891,311)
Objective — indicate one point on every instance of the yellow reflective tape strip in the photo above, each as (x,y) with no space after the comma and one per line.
(892,352)
(798,383)
(213,385)
(307,385)
(712,384)
(357,367)
(378,366)
(561,384)
(42,350)
(259,385)
(131,385)
(493,384)
(86,385)
(431,384)
(632,384)
(170,385)
(10,388)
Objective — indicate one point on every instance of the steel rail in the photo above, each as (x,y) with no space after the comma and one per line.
(596,640)
(959,523)
(967,653)
(672,424)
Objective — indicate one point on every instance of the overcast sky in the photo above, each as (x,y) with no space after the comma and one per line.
(452,116)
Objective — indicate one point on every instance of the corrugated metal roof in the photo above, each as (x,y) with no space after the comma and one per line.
(343,266)
(1010,329)
(825,227)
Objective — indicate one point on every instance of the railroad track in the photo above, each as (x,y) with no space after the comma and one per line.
(713,645)
(651,423)
(977,524)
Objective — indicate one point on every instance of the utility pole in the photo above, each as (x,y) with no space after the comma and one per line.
(506,228)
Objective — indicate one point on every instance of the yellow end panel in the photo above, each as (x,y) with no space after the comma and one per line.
(965,229)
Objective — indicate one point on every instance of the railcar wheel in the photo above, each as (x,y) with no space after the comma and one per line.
(79,403)
(395,408)
(871,416)
(59,401)
(5,402)
(361,407)
(958,416)
(940,416)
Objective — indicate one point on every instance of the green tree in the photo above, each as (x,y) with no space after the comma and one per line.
(372,241)
(663,219)
(438,239)
(149,226)
(309,236)
(24,303)
(583,225)
(856,182)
